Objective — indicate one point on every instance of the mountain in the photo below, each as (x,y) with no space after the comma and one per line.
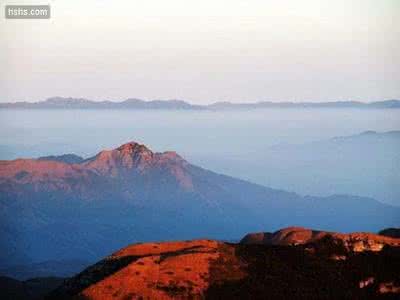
(66,158)
(356,241)
(81,103)
(391,232)
(306,105)
(365,164)
(205,269)
(33,289)
(133,103)
(66,268)
(52,210)
(370,134)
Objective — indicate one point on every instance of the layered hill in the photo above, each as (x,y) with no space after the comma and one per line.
(207,269)
(62,209)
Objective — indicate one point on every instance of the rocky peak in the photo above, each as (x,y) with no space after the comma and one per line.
(132,147)
(135,157)
(125,157)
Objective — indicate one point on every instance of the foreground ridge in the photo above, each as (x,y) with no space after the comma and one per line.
(315,268)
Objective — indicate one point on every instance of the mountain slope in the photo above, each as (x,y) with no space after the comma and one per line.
(207,269)
(50,210)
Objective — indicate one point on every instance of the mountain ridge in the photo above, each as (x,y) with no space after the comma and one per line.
(173,104)
(328,266)
(354,241)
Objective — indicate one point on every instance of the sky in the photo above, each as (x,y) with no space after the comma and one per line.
(204,51)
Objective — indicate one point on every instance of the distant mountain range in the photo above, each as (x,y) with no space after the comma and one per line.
(364,164)
(64,268)
(52,209)
(81,103)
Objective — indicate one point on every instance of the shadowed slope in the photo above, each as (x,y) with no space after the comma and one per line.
(391,232)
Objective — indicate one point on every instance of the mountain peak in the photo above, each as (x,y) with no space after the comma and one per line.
(136,149)
(127,156)
(134,157)
(132,147)
(368,132)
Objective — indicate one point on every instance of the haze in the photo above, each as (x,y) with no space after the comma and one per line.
(204,52)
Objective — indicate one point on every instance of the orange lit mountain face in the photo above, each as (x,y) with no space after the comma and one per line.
(67,208)
(215,270)
(125,160)
(357,241)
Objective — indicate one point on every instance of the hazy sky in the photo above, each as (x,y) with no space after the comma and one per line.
(204,51)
